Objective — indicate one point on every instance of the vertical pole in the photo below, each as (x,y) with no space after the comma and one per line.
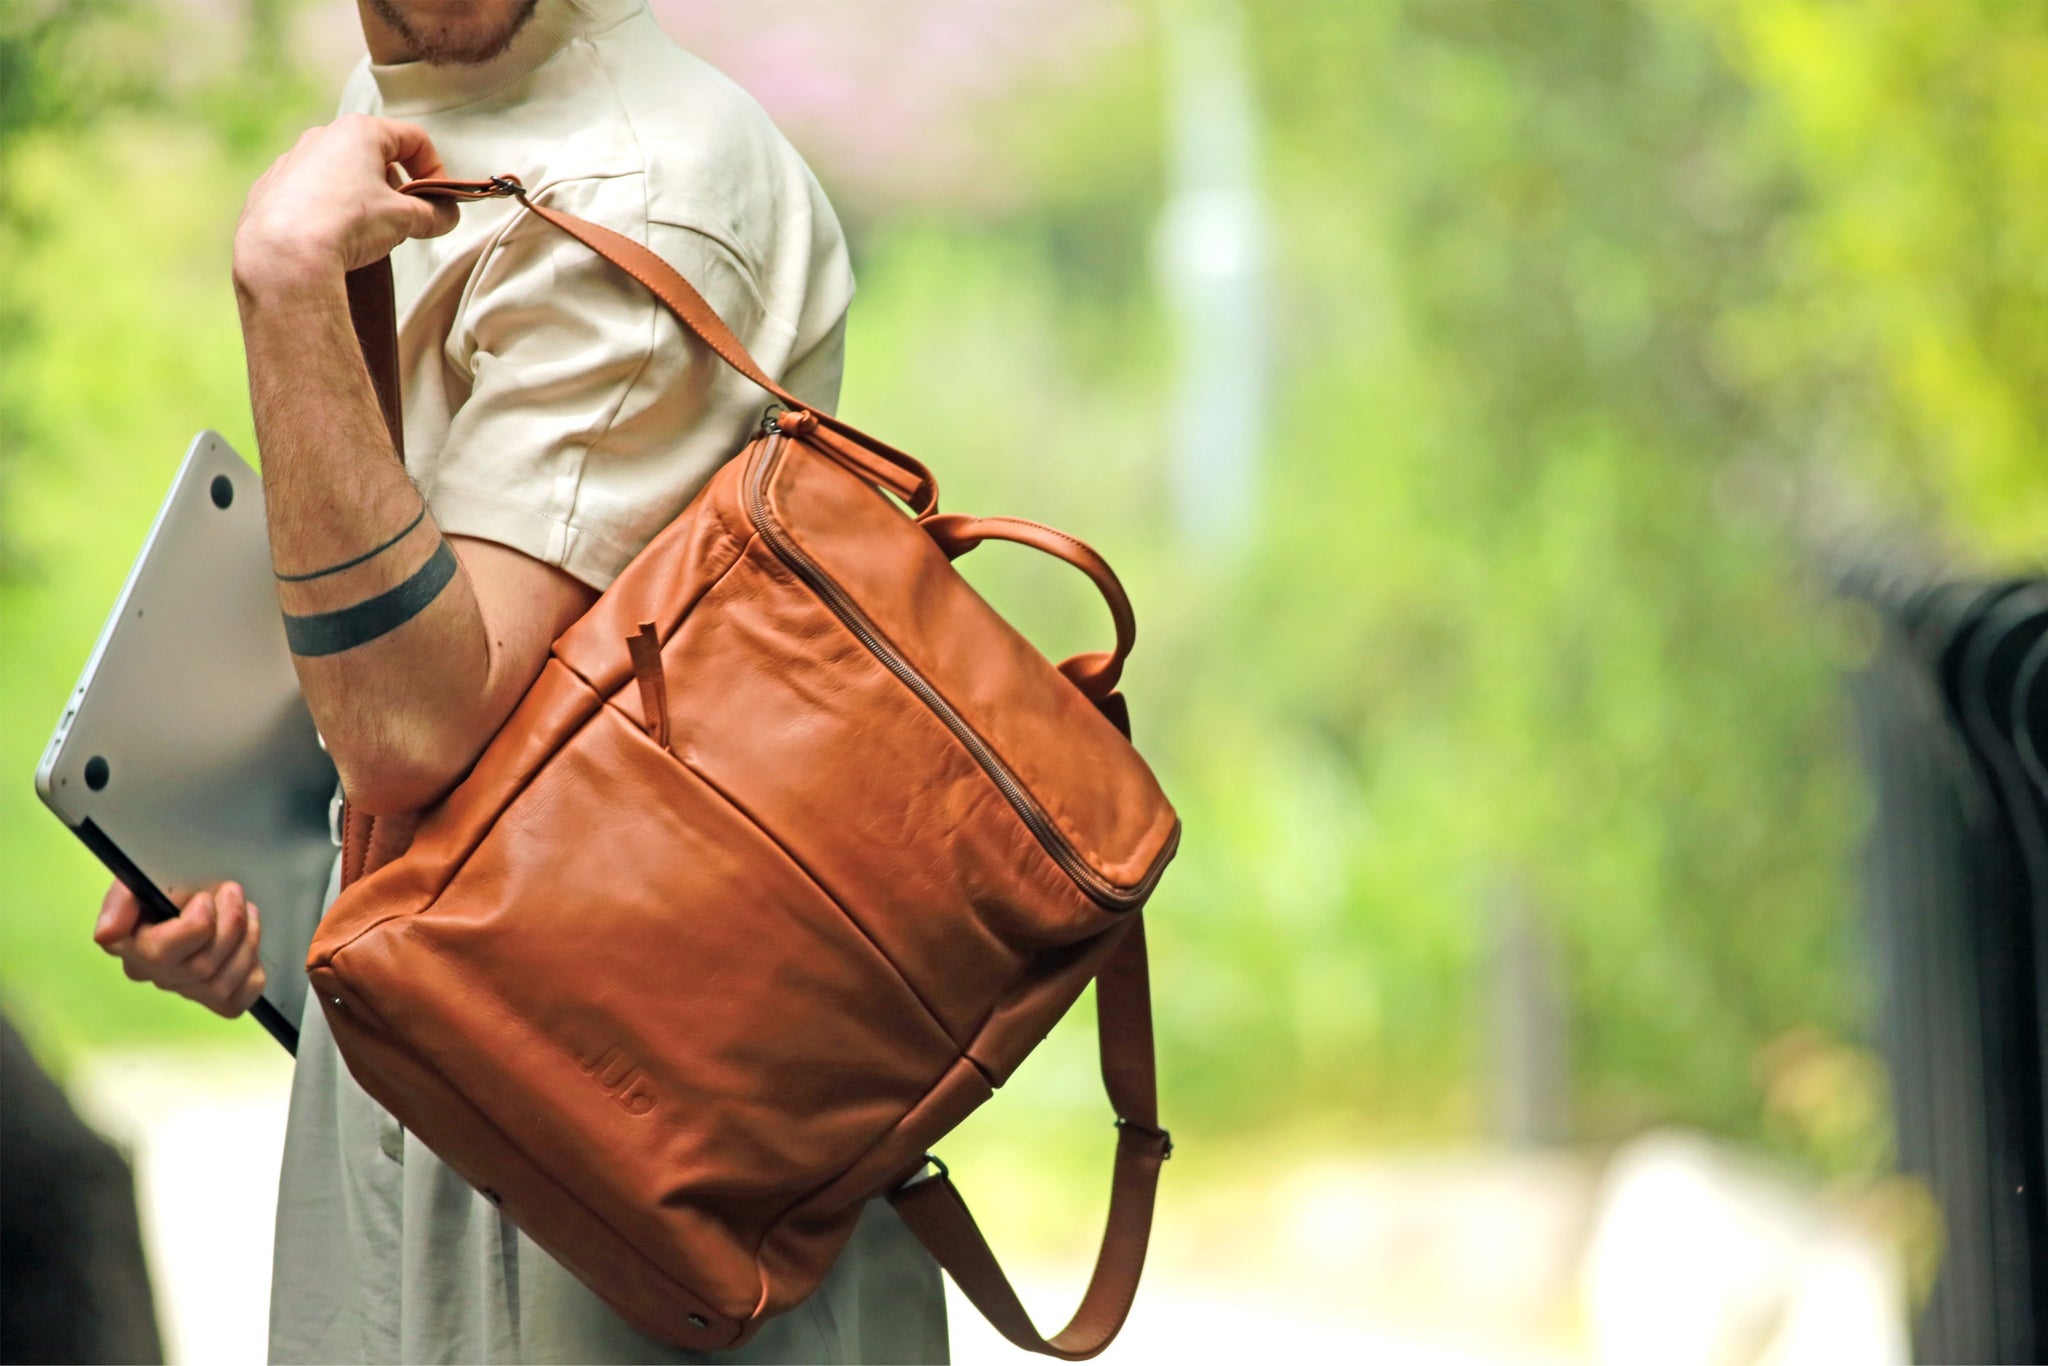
(1530,1054)
(1213,266)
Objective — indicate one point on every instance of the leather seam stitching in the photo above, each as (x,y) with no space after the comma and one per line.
(526,781)
(1091,853)
(772,1225)
(958,1053)
(489,828)
(745,544)
(810,879)
(422,1060)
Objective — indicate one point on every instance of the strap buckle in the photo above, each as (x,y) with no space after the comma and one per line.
(1162,1137)
(508,185)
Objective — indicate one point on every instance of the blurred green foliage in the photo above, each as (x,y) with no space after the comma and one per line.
(1593,321)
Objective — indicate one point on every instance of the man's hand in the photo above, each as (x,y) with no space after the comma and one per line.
(327,206)
(208,954)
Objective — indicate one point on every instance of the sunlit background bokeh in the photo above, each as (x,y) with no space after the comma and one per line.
(1477,400)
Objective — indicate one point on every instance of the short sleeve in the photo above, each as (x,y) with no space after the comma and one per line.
(591,418)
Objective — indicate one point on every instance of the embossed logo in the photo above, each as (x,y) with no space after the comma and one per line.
(618,1077)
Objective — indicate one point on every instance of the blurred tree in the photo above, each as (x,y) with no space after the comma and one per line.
(1901,332)
(1530,600)
(132,132)
(61,65)
(1580,314)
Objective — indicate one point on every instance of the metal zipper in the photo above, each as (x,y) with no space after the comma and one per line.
(1056,844)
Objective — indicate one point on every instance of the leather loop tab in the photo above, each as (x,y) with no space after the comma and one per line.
(356,824)
(646,651)
(903,476)
(390,838)
(369,842)
(914,487)
(1095,674)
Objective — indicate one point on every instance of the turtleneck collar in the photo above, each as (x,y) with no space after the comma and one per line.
(413,88)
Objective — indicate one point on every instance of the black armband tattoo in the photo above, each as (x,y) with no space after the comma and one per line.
(366,556)
(330,633)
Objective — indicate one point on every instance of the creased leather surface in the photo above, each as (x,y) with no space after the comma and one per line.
(1112,809)
(683,1010)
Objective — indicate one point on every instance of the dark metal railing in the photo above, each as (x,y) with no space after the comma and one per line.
(1952,717)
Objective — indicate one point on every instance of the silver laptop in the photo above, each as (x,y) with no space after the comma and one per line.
(185,756)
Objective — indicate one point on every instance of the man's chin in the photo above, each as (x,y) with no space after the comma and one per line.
(450,33)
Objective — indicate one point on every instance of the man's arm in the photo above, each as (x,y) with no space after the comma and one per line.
(411,648)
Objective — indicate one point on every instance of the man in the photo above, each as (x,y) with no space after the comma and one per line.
(556,418)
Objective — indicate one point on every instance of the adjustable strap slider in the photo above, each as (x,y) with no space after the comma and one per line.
(928,1170)
(1162,1137)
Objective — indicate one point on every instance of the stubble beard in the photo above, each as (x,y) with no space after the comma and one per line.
(441,45)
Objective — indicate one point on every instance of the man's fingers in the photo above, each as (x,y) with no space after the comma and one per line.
(219,990)
(430,217)
(223,992)
(119,914)
(409,146)
(252,987)
(230,927)
(172,942)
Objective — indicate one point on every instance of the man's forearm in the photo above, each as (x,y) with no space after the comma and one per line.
(411,652)
(390,646)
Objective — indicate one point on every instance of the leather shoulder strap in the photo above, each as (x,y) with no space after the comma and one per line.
(874,460)
(934,1211)
(373,310)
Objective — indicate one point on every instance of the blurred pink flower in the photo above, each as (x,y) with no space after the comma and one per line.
(885,97)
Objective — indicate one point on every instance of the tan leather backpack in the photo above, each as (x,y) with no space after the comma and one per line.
(791,854)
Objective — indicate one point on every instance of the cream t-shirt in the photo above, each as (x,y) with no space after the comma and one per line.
(551,403)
